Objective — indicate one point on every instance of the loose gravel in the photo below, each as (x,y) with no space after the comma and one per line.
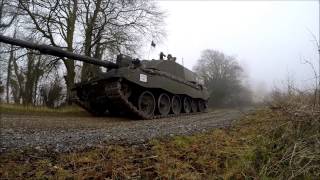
(62,134)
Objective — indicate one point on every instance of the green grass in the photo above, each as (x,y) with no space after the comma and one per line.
(42,110)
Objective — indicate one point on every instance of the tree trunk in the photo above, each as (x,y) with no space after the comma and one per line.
(30,77)
(69,78)
(87,69)
(20,80)
(9,74)
(70,65)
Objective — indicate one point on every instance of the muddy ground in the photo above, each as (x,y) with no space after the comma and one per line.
(64,134)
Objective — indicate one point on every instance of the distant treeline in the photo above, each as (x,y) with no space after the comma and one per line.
(225,79)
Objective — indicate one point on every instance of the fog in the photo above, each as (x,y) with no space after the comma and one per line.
(270,38)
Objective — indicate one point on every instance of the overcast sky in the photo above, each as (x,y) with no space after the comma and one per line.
(268,37)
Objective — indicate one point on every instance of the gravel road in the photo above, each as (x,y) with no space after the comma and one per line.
(63,134)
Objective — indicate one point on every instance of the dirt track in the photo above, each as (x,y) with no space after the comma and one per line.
(69,133)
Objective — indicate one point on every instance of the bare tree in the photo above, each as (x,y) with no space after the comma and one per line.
(9,68)
(35,69)
(8,15)
(314,69)
(9,72)
(223,77)
(108,26)
(52,93)
(16,82)
(55,21)
(117,27)
(1,88)
(23,75)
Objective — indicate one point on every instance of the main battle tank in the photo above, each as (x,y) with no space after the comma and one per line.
(138,88)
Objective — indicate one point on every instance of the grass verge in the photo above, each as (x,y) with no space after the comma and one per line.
(249,150)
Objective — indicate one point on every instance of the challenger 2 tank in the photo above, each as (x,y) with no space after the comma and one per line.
(143,89)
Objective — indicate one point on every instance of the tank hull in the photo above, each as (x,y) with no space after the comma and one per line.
(105,93)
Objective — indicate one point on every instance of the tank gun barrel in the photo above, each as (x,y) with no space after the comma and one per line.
(55,51)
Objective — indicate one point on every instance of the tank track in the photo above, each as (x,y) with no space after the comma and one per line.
(119,101)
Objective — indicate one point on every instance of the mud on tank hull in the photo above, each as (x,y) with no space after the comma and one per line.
(141,93)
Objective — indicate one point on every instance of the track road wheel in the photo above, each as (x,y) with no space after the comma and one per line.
(147,103)
(194,105)
(126,90)
(202,106)
(176,105)
(186,105)
(164,104)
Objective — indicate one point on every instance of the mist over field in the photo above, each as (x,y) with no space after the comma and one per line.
(270,39)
